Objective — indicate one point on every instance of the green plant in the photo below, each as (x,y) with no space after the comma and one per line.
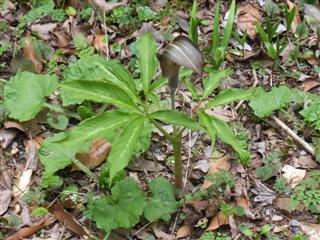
(193,29)
(220,45)
(281,185)
(131,113)
(241,39)
(308,193)
(222,180)
(248,232)
(270,168)
(311,114)
(229,210)
(214,236)
(40,212)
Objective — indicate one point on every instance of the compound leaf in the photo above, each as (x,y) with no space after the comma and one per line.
(146,48)
(163,203)
(58,151)
(122,210)
(125,145)
(79,90)
(225,134)
(95,68)
(230,95)
(176,118)
(213,81)
(25,92)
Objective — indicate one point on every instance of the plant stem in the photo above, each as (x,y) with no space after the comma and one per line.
(84,169)
(162,130)
(59,109)
(177,160)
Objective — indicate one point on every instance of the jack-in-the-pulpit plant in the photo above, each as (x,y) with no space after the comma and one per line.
(132,110)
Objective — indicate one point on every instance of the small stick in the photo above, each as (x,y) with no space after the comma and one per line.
(294,135)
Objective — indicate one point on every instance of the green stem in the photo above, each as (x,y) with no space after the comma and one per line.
(59,109)
(84,169)
(162,130)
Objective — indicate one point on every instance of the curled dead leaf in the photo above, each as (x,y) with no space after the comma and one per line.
(30,54)
(247,16)
(184,231)
(293,175)
(66,218)
(28,231)
(5,198)
(219,220)
(23,183)
(100,149)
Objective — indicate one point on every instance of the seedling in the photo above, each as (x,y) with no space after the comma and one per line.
(220,45)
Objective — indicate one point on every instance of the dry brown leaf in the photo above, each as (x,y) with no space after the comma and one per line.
(5,198)
(100,149)
(7,136)
(161,235)
(310,84)
(247,16)
(5,179)
(284,205)
(218,164)
(293,175)
(184,231)
(311,230)
(30,54)
(28,231)
(66,218)
(219,220)
(296,19)
(245,204)
(305,162)
(99,42)
(23,183)
(63,38)
(222,113)
(44,29)
(142,165)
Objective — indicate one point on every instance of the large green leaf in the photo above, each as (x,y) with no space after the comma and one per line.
(121,210)
(225,134)
(125,145)
(146,48)
(96,68)
(264,103)
(175,118)
(230,95)
(163,202)
(58,151)
(79,90)
(25,92)
(213,81)
(205,121)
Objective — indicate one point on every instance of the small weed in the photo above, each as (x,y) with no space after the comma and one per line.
(214,236)
(270,168)
(222,180)
(40,212)
(281,185)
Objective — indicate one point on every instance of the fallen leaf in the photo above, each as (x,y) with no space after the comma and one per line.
(265,196)
(244,203)
(278,229)
(312,11)
(100,149)
(5,180)
(247,15)
(222,113)
(100,43)
(310,84)
(28,231)
(202,165)
(305,162)
(284,205)
(145,165)
(67,219)
(7,136)
(311,230)
(22,185)
(5,198)
(30,54)
(43,29)
(31,154)
(296,19)
(223,163)
(161,235)
(63,38)
(157,5)
(184,231)
(219,220)
(293,175)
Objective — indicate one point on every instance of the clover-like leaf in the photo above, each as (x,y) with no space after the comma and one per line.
(163,203)
(121,210)
(25,92)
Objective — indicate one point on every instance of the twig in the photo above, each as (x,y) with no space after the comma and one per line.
(294,135)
